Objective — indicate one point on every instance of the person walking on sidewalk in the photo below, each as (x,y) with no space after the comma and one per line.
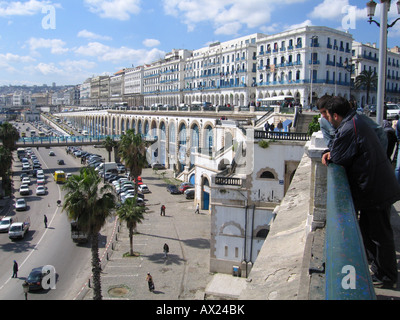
(162,210)
(197,209)
(166,250)
(45,221)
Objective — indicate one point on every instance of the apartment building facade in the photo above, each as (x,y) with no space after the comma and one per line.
(304,63)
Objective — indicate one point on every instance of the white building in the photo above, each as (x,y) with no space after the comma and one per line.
(304,60)
(133,86)
(365,58)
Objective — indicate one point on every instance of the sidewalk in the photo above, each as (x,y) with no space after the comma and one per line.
(184,274)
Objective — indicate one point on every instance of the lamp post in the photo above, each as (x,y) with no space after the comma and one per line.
(383,25)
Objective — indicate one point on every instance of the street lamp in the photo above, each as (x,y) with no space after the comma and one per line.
(383,25)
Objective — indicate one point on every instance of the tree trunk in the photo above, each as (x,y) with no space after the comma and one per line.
(96,268)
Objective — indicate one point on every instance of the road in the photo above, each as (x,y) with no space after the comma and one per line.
(41,246)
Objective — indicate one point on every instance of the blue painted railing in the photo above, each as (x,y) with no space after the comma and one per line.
(347,272)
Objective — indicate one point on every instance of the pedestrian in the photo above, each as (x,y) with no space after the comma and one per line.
(45,221)
(162,213)
(197,208)
(391,137)
(328,131)
(150,281)
(373,185)
(266,126)
(272,127)
(280,126)
(15,270)
(166,250)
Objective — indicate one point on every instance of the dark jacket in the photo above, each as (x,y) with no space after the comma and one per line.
(371,177)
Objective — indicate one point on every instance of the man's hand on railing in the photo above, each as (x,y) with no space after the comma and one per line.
(326,158)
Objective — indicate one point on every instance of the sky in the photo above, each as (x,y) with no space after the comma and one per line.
(66,42)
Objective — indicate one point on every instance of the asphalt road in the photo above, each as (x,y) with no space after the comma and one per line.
(41,246)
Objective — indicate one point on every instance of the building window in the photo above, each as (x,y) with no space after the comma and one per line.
(267,175)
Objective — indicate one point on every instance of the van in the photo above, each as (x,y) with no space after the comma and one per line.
(19,229)
(59,176)
(107,166)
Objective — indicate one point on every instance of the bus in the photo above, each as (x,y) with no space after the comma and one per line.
(42,134)
(281,101)
(21,153)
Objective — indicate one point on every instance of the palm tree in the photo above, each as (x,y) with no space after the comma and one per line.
(368,80)
(132,150)
(132,214)
(109,144)
(9,135)
(5,169)
(90,207)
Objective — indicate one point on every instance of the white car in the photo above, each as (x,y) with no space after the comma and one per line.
(5,223)
(20,204)
(40,191)
(24,190)
(392,110)
(40,176)
(26,180)
(143,188)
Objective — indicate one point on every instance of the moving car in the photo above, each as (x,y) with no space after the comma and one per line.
(24,190)
(173,189)
(26,181)
(40,191)
(20,204)
(19,229)
(51,153)
(5,223)
(35,279)
(60,162)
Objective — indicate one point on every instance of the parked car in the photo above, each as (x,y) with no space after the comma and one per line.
(143,188)
(189,193)
(173,189)
(5,223)
(52,154)
(158,166)
(60,162)
(185,186)
(20,204)
(392,110)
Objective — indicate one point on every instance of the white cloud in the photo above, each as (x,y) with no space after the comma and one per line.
(118,55)
(226,16)
(337,9)
(91,35)
(114,9)
(298,25)
(13,58)
(151,42)
(18,8)
(56,46)
(47,69)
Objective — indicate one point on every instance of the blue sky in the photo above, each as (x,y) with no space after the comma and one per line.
(45,41)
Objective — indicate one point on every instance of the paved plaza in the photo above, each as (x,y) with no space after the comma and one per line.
(184,274)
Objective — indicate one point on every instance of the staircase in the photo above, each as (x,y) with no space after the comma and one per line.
(304,119)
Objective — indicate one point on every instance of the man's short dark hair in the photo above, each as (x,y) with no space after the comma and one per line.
(322,101)
(338,105)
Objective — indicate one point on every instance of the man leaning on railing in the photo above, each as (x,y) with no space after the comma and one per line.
(373,185)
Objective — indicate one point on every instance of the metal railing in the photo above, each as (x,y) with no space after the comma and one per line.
(347,273)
